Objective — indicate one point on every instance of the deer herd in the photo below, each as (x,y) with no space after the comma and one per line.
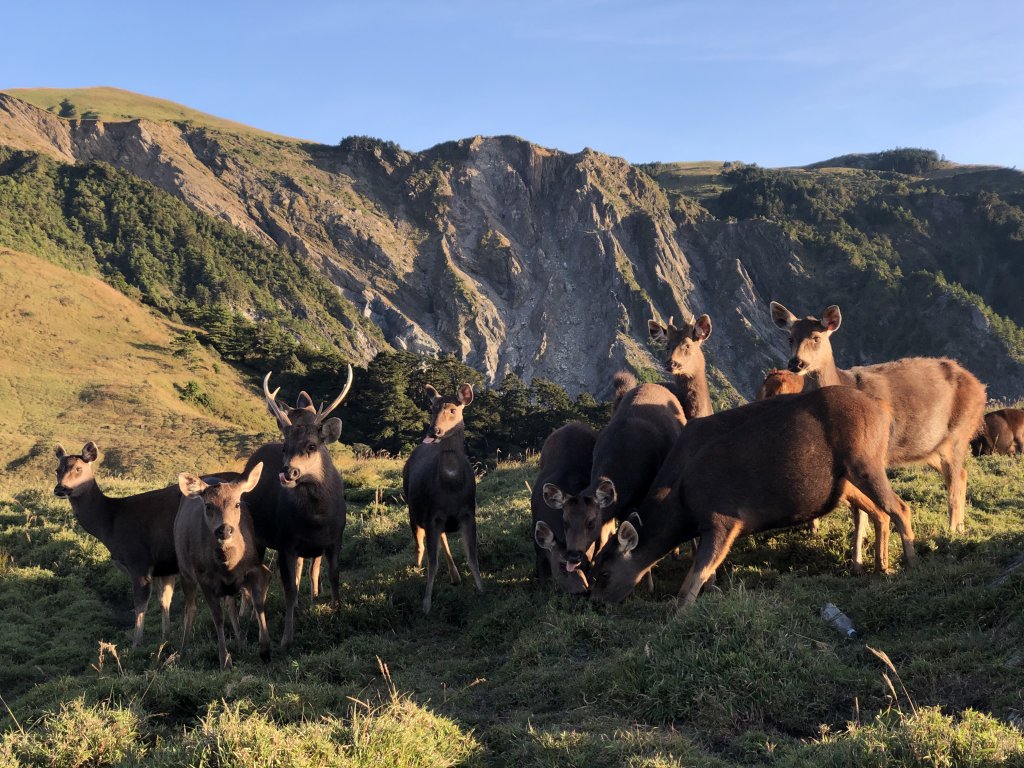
(606,506)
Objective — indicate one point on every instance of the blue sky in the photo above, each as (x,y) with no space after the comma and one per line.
(773,82)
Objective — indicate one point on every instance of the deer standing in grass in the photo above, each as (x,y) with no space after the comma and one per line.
(440,489)
(298,506)
(684,359)
(138,530)
(1003,432)
(771,464)
(937,405)
(217,553)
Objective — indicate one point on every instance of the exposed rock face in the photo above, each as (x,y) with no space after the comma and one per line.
(517,258)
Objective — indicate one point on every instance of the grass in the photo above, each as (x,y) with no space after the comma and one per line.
(116,104)
(520,677)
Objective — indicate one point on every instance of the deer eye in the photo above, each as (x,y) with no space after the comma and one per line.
(790,339)
(452,411)
(590,525)
(311,448)
(817,339)
(78,471)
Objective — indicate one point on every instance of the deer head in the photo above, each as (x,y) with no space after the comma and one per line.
(683,354)
(809,345)
(446,412)
(222,501)
(74,471)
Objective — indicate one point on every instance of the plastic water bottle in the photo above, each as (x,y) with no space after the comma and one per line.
(832,615)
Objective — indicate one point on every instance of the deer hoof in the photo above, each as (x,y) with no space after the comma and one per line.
(857,569)
(265,653)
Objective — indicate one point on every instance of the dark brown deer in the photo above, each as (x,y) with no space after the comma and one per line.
(138,530)
(684,359)
(440,489)
(298,507)
(217,553)
(627,455)
(937,404)
(565,462)
(780,383)
(1003,433)
(771,464)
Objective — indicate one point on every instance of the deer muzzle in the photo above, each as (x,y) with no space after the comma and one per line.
(796,365)
(224,532)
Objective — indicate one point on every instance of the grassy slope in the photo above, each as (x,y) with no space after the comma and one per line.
(518,677)
(114,104)
(81,361)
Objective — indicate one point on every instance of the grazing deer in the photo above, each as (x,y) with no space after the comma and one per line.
(298,507)
(138,530)
(779,382)
(1003,433)
(937,404)
(565,462)
(685,361)
(627,455)
(217,552)
(440,489)
(771,464)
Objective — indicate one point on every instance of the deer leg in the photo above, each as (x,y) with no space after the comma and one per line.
(859,533)
(218,623)
(874,485)
(231,608)
(188,587)
(453,572)
(467,529)
(711,551)
(166,584)
(333,572)
(286,565)
(314,578)
(255,581)
(299,564)
(649,582)
(420,535)
(955,476)
(863,507)
(142,589)
(433,542)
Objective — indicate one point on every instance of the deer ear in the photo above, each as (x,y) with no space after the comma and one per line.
(191,485)
(304,401)
(465,394)
(253,479)
(831,319)
(543,535)
(605,493)
(431,392)
(553,496)
(657,330)
(701,328)
(782,317)
(59,451)
(330,430)
(90,452)
(628,537)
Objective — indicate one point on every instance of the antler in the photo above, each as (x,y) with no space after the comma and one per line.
(281,416)
(323,412)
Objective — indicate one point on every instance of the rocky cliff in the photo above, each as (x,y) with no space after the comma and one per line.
(515,257)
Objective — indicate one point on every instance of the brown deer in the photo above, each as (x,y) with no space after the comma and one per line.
(627,455)
(440,489)
(565,462)
(684,359)
(779,382)
(771,464)
(138,530)
(937,404)
(1003,433)
(216,545)
(298,507)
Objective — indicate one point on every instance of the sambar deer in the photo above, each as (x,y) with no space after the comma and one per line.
(684,360)
(440,489)
(627,456)
(771,464)
(1003,433)
(298,506)
(217,553)
(937,404)
(565,462)
(137,530)
(778,382)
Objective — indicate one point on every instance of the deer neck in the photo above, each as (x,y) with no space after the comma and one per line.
(831,376)
(694,394)
(92,510)
(452,463)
